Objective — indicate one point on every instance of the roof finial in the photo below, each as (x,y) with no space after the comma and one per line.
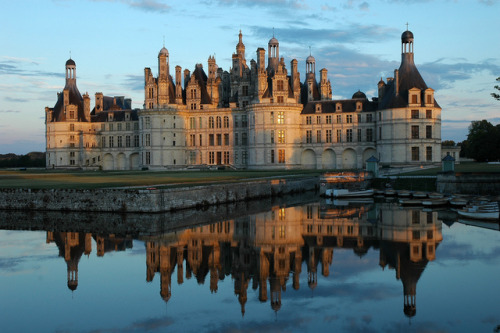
(273,32)
(310,50)
(163,40)
(406,26)
(70,54)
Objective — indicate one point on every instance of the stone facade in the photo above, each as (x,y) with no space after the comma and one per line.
(253,116)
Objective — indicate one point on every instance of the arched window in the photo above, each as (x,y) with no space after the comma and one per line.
(219,123)
(210,122)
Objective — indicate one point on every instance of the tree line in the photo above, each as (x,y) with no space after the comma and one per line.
(482,143)
(30,160)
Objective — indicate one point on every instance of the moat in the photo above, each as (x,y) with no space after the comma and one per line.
(275,265)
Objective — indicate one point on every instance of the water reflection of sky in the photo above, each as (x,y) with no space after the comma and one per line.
(457,292)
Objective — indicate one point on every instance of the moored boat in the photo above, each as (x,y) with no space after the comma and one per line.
(410,202)
(343,193)
(435,195)
(458,202)
(420,195)
(435,202)
(483,211)
(404,194)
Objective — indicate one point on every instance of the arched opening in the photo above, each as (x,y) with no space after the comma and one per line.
(121,162)
(308,159)
(349,159)
(134,161)
(369,152)
(108,162)
(328,159)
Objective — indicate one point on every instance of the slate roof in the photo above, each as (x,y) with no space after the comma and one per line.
(348,105)
(74,98)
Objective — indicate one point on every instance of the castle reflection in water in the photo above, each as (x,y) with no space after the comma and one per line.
(264,250)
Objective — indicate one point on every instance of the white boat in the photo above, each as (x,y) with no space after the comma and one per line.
(485,211)
(343,193)
(410,202)
(419,195)
(404,194)
(435,195)
(458,202)
(435,202)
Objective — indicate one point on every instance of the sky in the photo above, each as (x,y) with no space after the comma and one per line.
(457,49)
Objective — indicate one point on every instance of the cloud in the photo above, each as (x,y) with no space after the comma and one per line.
(265,3)
(10,111)
(135,82)
(12,66)
(144,5)
(16,100)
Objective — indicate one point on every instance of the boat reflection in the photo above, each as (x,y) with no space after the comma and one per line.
(264,250)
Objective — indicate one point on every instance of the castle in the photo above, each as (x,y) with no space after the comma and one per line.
(255,116)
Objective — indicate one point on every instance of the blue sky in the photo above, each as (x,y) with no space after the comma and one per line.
(456,49)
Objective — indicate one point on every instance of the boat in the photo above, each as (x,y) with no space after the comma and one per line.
(389,193)
(458,202)
(410,202)
(435,195)
(482,211)
(420,195)
(343,193)
(404,194)
(435,202)
(482,224)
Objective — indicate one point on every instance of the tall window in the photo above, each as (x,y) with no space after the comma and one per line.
(272,155)
(281,136)
(348,135)
(318,119)
(369,118)
(339,135)
(348,119)
(339,119)
(414,114)
(369,134)
(272,136)
(428,113)
(428,153)
(147,122)
(281,155)
(244,139)
(127,141)
(226,157)
(280,85)
(148,140)
(192,140)
(308,136)
(328,136)
(211,141)
(148,157)
(271,117)
(226,139)
(219,122)
(219,139)
(226,122)
(329,119)
(308,120)
(119,141)
(192,124)
(415,154)
(236,137)
(318,136)
(414,132)
(359,134)
(136,140)
(281,117)
(211,157)
(111,142)
(210,122)
(428,132)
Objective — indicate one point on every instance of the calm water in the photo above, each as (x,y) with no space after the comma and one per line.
(264,266)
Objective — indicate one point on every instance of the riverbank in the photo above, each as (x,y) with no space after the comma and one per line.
(152,199)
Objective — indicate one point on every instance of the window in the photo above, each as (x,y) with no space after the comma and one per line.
(359,118)
(147,123)
(271,117)
(119,141)
(201,140)
(281,99)
(136,140)
(414,99)
(415,154)
(110,127)
(429,99)
(211,140)
(226,139)
(428,153)
(281,117)
(369,118)
(359,134)
(329,119)
(348,135)
(272,155)
(348,119)
(244,90)
(244,121)
(280,85)
(210,122)
(428,114)
(148,140)
(226,157)
(192,139)
(428,132)
(244,139)
(236,137)
(369,134)
(71,127)
(414,114)
(211,157)
(226,122)
(272,136)
(127,126)
(281,136)
(103,142)
(219,122)
(200,124)
(328,136)
(414,132)
(219,139)
(339,119)
(127,141)
(111,142)
(192,123)
(281,156)
(318,119)
(339,135)
(308,120)
(148,157)
(119,127)
(380,133)
(236,122)
(308,136)
(318,136)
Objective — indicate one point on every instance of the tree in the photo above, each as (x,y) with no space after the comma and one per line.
(495,95)
(448,143)
(482,142)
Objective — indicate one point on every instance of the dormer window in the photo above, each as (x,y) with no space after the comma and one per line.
(414,96)
(318,108)
(429,97)
(359,106)
(338,107)
(110,116)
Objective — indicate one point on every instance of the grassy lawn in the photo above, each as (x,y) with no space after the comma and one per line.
(46,179)
(462,167)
